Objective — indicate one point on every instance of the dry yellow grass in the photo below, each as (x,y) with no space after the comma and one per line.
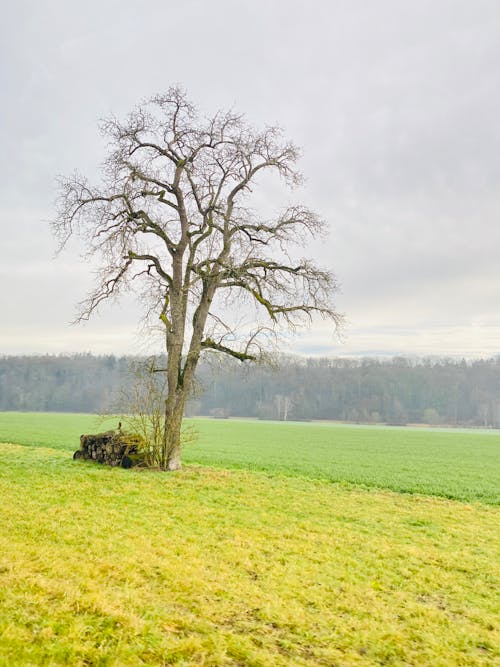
(103,566)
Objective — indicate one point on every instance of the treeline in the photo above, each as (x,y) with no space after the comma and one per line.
(396,391)
(77,383)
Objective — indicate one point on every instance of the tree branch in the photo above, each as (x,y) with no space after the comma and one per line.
(209,343)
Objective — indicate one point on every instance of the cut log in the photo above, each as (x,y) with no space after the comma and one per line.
(114,448)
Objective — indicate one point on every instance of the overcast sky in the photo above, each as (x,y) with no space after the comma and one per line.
(395,103)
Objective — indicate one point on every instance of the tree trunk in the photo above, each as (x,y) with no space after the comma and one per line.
(179,379)
(174,412)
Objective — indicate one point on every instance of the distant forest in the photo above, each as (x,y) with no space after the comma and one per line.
(395,391)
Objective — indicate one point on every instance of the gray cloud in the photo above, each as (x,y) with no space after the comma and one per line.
(396,106)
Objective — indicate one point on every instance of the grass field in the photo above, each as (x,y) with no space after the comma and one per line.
(463,465)
(250,567)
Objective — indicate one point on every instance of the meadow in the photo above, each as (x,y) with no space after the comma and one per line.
(279,544)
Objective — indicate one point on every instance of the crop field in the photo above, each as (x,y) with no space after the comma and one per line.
(462,464)
(279,544)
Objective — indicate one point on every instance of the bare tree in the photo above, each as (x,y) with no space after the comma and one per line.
(172,213)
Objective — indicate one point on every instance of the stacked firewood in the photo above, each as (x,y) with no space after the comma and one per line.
(113,448)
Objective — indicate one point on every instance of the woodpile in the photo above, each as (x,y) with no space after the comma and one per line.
(113,448)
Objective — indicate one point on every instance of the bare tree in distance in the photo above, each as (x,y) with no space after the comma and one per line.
(173,214)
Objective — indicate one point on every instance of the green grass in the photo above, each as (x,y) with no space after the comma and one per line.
(462,465)
(103,566)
